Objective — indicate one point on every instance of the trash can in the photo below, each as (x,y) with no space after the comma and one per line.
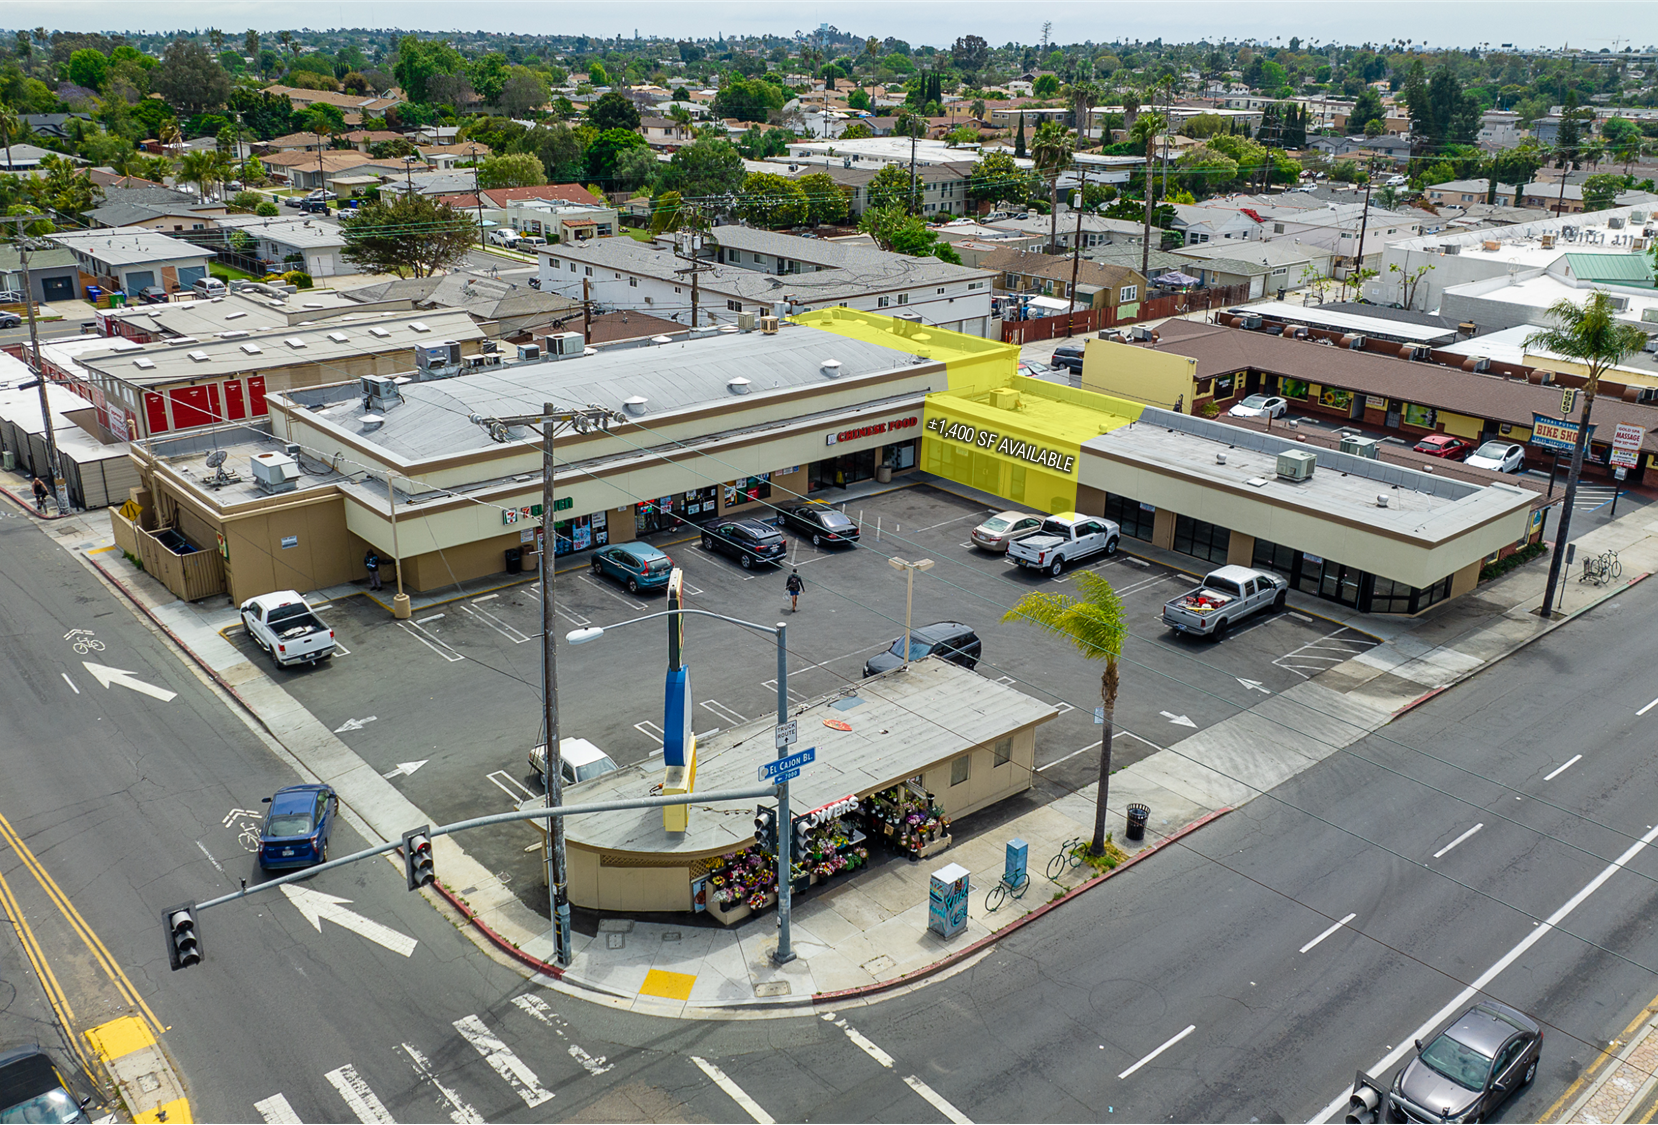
(93,293)
(1137,816)
(515,560)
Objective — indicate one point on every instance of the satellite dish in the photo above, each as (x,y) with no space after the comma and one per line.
(216,458)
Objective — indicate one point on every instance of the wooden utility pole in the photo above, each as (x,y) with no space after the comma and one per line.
(688,247)
(586,310)
(1076,243)
(60,491)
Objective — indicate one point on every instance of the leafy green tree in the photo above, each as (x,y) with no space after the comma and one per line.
(707,168)
(773,201)
(324,119)
(1367,108)
(604,150)
(826,201)
(896,230)
(1601,191)
(1592,335)
(747,99)
(488,76)
(596,73)
(1094,622)
(1045,86)
(889,188)
(997,177)
(1569,137)
(189,78)
(245,200)
(666,212)
(525,91)
(856,131)
(561,152)
(637,168)
(516,169)
(410,236)
(1205,170)
(204,169)
(858,99)
(1019,140)
(89,67)
(266,209)
(613,111)
(420,60)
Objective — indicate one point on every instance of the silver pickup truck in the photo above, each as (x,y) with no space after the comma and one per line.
(283,625)
(1227,596)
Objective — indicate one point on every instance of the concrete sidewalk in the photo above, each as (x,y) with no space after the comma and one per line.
(869,933)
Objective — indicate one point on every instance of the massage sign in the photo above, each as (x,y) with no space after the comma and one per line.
(994,442)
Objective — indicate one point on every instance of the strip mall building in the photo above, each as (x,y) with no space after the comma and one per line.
(735,423)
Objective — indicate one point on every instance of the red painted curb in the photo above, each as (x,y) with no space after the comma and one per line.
(28,507)
(989,939)
(496,939)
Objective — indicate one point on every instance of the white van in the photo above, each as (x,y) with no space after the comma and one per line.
(206,287)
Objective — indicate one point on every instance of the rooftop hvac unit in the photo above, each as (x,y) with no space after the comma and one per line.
(1141,332)
(1478,364)
(1620,304)
(446,354)
(528,351)
(1651,344)
(1491,245)
(1615,223)
(563,344)
(1416,352)
(768,325)
(275,472)
(1637,217)
(745,320)
(1548,241)
(380,390)
(1451,248)
(1297,464)
(1357,446)
(1250,321)
(1357,343)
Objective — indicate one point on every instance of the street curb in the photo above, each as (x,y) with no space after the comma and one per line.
(1505,654)
(30,508)
(501,943)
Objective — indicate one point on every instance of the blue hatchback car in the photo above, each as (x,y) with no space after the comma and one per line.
(297,827)
(638,566)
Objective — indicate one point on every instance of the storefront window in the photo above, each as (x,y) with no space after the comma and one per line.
(748,489)
(1336,400)
(1292,388)
(1135,519)
(572,535)
(1274,557)
(902,454)
(1224,385)
(1424,416)
(1201,540)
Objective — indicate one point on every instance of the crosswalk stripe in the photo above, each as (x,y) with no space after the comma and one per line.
(276,1111)
(933,1096)
(508,1065)
(459,1112)
(735,1092)
(359,1097)
(539,1009)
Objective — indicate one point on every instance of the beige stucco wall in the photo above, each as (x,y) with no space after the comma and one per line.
(1139,373)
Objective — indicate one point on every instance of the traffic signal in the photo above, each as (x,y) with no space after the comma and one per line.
(183,937)
(417,857)
(1364,1105)
(765,828)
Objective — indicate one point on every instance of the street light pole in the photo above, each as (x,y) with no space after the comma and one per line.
(909,569)
(60,491)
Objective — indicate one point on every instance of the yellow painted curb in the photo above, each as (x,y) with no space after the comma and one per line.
(120,1037)
(176,1112)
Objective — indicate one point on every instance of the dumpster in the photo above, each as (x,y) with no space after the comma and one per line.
(515,560)
(1137,816)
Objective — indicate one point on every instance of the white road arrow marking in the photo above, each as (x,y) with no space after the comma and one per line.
(1177,720)
(404,769)
(316,906)
(1252,685)
(106,676)
(355,724)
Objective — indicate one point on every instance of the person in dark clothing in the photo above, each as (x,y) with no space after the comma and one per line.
(41,492)
(794,585)
(371,561)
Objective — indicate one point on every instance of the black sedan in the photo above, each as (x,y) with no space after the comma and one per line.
(1471,1068)
(951,640)
(297,827)
(820,523)
(750,541)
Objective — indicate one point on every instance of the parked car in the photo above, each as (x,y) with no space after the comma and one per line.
(1224,598)
(638,566)
(321,194)
(750,541)
(1443,445)
(502,237)
(1396,181)
(821,523)
(283,625)
(1261,406)
(297,826)
(578,761)
(10,320)
(950,640)
(32,1088)
(206,287)
(292,200)
(1065,539)
(152,295)
(1004,529)
(1030,369)
(1469,1070)
(1501,456)
(1068,357)
(315,207)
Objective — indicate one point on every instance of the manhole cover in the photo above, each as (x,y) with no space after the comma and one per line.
(614,941)
(670,935)
(772,988)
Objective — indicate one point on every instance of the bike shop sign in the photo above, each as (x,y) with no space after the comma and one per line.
(1626,444)
(1555,435)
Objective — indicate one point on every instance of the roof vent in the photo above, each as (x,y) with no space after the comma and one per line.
(339,337)
(199,356)
(372,422)
(143,363)
(1220,458)
(634,405)
(252,349)
(662,339)
(234,315)
(1381,500)
(831,368)
(294,342)
(419,326)
(378,331)
(737,385)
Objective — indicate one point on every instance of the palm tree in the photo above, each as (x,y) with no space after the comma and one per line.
(1144,134)
(1051,151)
(1594,151)
(977,109)
(10,126)
(1092,620)
(1592,335)
(1084,97)
(199,168)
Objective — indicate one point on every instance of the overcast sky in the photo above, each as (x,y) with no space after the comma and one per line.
(1525,23)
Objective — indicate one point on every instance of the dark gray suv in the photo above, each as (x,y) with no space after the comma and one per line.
(951,640)
(1469,1070)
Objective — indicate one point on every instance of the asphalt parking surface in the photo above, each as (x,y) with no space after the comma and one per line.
(457,687)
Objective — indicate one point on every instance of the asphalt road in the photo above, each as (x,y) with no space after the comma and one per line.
(457,687)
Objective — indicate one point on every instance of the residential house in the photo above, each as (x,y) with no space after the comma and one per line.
(361,139)
(353,106)
(169,218)
(1097,230)
(25,159)
(1567,199)
(941,189)
(499,203)
(1200,223)
(133,258)
(288,244)
(667,134)
(1499,129)
(1466,191)
(52,273)
(52,124)
(505,309)
(1023,274)
(445,157)
(1266,267)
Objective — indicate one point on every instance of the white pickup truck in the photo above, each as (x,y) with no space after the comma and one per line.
(1065,539)
(1227,596)
(283,625)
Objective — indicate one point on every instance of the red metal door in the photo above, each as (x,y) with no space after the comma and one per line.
(155,413)
(234,407)
(256,395)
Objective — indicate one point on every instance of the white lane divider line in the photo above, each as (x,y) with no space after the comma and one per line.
(485,598)
(1562,769)
(501,1059)
(1461,999)
(72,687)
(1189,1029)
(538,1008)
(865,1044)
(1441,852)
(359,1097)
(937,1100)
(276,1111)
(735,1092)
(459,1112)
(1647,708)
(1328,932)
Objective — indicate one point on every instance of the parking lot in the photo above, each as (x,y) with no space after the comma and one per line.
(457,687)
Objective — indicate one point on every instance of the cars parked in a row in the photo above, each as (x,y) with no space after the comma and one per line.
(752,542)
(821,523)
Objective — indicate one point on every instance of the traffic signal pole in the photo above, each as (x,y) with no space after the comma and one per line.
(785,826)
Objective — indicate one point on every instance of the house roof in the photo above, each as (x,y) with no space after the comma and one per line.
(296,233)
(485,298)
(337,161)
(1259,255)
(129,246)
(121,214)
(372,102)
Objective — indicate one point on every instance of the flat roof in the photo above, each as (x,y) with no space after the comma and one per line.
(235,310)
(1521,244)
(902,724)
(129,246)
(1423,507)
(289,232)
(1508,345)
(1316,317)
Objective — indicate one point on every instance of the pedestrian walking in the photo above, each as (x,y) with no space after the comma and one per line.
(41,492)
(794,585)
(371,561)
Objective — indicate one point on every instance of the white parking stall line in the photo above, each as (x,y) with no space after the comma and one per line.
(948,522)
(735,1092)
(485,598)
(1441,852)
(1143,584)
(502,780)
(339,649)
(1570,762)
(629,602)
(414,630)
(651,731)
(794,696)
(1327,933)
(503,1061)
(1189,1029)
(721,711)
(1008,680)
(359,1097)
(1063,707)
(276,1111)
(430,617)
(937,1101)
(1301,617)
(1647,708)
(501,627)
(694,591)
(459,1112)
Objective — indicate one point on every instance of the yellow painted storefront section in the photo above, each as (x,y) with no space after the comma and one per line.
(1461,425)
(970,362)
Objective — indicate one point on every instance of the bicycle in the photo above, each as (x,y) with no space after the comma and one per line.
(1601,569)
(1610,564)
(1003,890)
(1067,858)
